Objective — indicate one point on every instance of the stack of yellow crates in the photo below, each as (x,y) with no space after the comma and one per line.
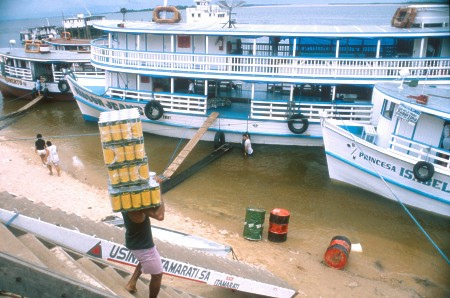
(124,154)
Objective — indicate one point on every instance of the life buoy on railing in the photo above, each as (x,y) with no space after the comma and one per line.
(66,35)
(404,17)
(154,110)
(296,119)
(423,171)
(219,139)
(171,9)
(63,86)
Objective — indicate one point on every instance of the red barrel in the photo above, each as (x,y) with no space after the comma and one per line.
(278,225)
(338,252)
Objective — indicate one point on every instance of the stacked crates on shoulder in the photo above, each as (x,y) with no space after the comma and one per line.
(124,155)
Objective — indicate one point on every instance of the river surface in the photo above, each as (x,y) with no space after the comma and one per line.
(293,178)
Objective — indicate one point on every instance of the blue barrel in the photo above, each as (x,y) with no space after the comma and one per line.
(254,223)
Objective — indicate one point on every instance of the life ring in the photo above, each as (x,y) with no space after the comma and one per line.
(172,9)
(219,139)
(423,171)
(154,110)
(63,86)
(298,118)
(404,17)
(66,35)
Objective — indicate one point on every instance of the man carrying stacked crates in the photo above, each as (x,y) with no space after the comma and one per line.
(131,192)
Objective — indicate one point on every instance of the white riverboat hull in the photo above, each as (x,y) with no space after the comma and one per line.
(357,162)
(185,125)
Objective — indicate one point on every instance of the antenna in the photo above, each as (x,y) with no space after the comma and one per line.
(230,5)
(123,11)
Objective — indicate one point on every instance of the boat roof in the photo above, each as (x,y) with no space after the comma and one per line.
(438,97)
(52,56)
(69,42)
(257,30)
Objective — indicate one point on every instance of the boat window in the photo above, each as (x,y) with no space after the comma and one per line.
(388,109)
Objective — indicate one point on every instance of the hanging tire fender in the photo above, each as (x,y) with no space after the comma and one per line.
(154,110)
(423,171)
(63,86)
(219,139)
(296,118)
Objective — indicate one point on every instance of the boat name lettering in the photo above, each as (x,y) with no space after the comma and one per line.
(435,183)
(377,161)
(13,81)
(123,254)
(226,284)
(184,270)
(97,100)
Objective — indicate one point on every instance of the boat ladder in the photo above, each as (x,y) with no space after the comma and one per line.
(189,146)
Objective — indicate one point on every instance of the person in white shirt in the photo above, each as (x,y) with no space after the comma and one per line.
(191,87)
(248,150)
(52,158)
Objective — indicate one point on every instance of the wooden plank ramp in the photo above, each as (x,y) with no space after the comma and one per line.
(177,179)
(22,109)
(189,146)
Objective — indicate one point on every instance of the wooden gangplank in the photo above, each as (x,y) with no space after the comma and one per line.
(189,146)
(168,184)
(23,109)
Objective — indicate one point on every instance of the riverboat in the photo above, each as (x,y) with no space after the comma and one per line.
(403,153)
(271,81)
(22,67)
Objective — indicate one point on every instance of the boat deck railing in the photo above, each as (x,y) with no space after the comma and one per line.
(281,110)
(18,72)
(259,109)
(371,69)
(59,75)
(406,147)
(172,102)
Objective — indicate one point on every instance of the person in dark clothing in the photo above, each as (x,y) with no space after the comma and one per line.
(138,239)
(39,148)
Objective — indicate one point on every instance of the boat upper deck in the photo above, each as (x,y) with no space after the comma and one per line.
(438,97)
(258,30)
(52,56)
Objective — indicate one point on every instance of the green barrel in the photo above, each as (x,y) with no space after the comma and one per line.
(254,223)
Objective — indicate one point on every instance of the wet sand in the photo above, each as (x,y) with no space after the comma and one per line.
(22,174)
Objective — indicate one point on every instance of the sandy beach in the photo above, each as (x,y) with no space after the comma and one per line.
(22,174)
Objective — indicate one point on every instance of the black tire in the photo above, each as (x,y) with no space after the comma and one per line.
(63,86)
(219,139)
(423,171)
(154,110)
(294,120)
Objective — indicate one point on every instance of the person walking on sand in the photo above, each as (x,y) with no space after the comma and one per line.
(52,158)
(139,240)
(248,150)
(39,148)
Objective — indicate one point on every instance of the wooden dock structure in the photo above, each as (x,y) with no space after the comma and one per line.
(189,146)
(22,109)
(168,184)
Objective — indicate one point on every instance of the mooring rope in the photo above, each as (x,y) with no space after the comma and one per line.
(20,97)
(395,196)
